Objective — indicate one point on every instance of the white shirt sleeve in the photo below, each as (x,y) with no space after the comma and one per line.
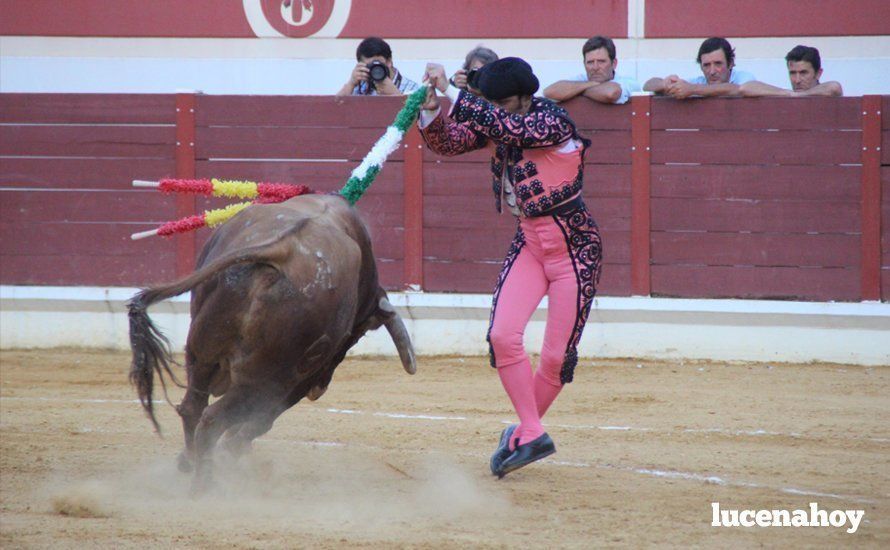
(427,117)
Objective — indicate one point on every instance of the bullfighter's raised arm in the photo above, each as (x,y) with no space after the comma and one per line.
(529,130)
(448,138)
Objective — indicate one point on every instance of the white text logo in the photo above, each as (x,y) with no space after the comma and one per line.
(785,518)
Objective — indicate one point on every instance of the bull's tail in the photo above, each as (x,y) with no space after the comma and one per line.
(151,349)
(151,352)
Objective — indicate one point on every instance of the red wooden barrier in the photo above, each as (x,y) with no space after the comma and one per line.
(767,198)
(66,205)
(698,18)
(640,196)
(185,168)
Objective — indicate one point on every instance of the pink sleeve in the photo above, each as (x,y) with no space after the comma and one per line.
(447,138)
(542,127)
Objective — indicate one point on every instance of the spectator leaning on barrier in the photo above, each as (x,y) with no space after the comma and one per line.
(537,170)
(374,74)
(719,75)
(804,71)
(600,82)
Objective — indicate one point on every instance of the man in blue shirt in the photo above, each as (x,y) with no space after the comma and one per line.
(804,72)
(599,83)
(719,76)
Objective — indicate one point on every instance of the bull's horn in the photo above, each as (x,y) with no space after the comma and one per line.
(396,328)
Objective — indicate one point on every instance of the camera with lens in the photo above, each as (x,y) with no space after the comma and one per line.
(472,78)
(377,71)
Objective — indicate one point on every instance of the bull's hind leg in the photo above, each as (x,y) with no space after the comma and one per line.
(192,406)
(238,405)
(238,439)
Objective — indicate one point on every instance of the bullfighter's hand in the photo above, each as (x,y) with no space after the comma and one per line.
(431,103)
(435,75)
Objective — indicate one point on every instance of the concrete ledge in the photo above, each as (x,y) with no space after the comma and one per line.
(729,330)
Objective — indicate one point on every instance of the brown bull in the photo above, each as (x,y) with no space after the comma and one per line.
(281,292)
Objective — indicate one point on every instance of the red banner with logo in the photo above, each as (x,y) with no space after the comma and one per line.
(324,18)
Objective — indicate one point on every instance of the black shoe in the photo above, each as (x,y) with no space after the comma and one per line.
(503,450)
(526,454)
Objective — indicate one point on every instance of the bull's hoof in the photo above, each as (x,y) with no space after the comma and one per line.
(184,464)
(236,446)
(203,479)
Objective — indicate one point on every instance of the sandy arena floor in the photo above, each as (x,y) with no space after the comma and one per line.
(388,460)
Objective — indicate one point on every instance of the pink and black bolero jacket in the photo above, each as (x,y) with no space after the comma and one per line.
(544,172)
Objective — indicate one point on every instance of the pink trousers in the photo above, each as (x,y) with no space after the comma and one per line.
(558,256)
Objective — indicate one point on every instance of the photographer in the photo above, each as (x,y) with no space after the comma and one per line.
(477,58)
(374,73)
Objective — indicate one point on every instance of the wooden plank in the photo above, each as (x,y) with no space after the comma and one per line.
(885,217)
(698,18)
(86,173)
(799,147)
(381,211)
(451,178)
(773,283)
(870,200)
(34,108)
(756,216)
(413,208)
(287,143)
(479,277)
(388,243)
(135,206)
(757,249)
(763,113)
(476,213)
(390,274)
(829,183)
(76,239)
(88,141)
(885,285)
(462,244)
(72,270)
(641,197)
(885,139)
(480,156)
(185,169)
(306,111)
(885,108)
(607,147)
(589,115)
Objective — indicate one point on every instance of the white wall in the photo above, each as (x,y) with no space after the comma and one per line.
(440,324)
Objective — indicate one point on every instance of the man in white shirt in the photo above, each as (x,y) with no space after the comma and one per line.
(716,58)
(599,83)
